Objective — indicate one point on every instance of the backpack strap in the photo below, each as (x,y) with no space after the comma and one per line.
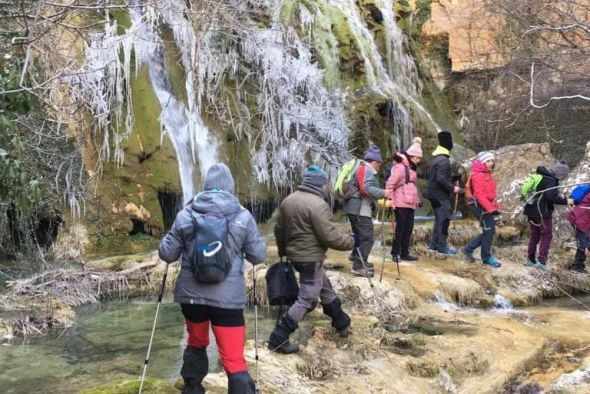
(360,179)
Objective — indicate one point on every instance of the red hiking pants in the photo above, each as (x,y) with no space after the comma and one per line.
(229,330)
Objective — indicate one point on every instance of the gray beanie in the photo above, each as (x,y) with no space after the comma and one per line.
(219,177)
(314,176)
(560,169)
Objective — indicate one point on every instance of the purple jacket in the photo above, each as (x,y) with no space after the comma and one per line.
(579,216)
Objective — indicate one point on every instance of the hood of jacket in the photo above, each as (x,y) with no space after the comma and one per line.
(317,191)
(441,151)
(216,202)
(404,157)
(542,170)
(478,166)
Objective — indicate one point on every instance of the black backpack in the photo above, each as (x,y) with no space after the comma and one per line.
(211,259)
(281,284)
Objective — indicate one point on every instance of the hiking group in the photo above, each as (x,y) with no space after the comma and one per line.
(214,236)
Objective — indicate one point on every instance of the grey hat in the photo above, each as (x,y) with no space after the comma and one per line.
(219,177)
(560,169)
(314,176)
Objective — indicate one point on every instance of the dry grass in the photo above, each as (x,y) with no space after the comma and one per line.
(316,366)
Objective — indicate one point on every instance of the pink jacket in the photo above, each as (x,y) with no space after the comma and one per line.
(405,195)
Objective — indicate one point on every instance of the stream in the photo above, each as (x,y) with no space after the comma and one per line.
(107,342)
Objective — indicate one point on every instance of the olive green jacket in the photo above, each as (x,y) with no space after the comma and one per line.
(305,230)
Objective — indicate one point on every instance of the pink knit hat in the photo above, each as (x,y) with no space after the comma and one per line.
(416,148)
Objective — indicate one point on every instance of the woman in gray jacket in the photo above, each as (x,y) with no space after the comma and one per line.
(219,304)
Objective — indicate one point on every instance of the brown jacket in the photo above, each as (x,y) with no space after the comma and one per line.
(305,230)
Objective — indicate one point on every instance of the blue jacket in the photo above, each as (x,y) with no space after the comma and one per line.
(244,241)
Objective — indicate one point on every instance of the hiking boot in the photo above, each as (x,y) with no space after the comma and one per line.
(468,256)
(448,251)
(530,263)
(492,262)
(409,257)
(279,338)
(361,272)
(541,265)
(340,320)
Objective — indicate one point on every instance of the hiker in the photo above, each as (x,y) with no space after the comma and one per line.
(404,199)
(304,231)
(579,217)
(359,208)
(485,207)
(221,304)
(539,212)
(440,186)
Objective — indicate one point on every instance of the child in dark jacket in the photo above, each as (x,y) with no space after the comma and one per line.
(579,217)
(483,188)
(540,212)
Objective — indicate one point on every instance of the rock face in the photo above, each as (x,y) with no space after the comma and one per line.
(475,50)
(471,31)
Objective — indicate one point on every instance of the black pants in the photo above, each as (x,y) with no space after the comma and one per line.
(485,239)
(363,227)
(404,225)
(442,219)
(583,243)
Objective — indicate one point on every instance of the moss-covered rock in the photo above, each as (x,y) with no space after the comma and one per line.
(150,386)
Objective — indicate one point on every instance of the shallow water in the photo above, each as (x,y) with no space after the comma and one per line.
(108,342)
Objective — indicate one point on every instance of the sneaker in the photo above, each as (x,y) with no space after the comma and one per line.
(396,258)
(432,248)
(448,251)
(361,272)
(579,271)
(492,262)
(468,255)
(530,263)
(542,266)
(409,257)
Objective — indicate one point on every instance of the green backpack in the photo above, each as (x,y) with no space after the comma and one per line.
(344,180)
(529,187)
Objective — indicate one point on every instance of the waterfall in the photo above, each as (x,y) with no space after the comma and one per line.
(182,123)
(103,85)
(260,81)
(396,77)
(502,303)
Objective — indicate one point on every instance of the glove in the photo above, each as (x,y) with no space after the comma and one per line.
(357,240)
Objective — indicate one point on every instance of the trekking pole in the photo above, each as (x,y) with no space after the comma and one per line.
(394,227)
(255,327)
(358,250)
(456,205)
(382,244)
(147,357)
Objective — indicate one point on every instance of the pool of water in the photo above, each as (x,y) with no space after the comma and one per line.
(108,342)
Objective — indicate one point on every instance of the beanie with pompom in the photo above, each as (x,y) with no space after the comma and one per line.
(416,148)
